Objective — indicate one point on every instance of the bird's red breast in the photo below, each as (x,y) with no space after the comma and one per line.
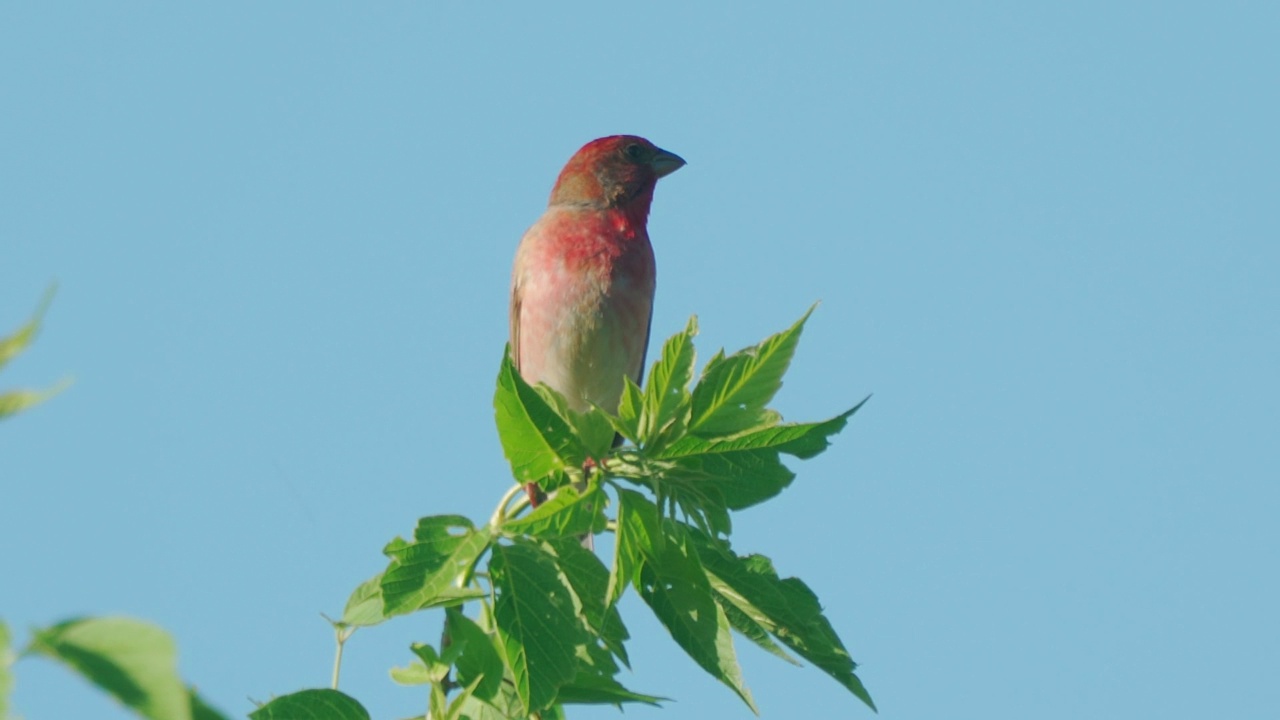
(584,275)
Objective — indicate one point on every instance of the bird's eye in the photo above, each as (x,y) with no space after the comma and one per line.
(634,151)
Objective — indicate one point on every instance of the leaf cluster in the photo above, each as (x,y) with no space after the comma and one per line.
(546,631)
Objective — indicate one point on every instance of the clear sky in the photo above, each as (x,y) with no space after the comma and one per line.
(1045,239)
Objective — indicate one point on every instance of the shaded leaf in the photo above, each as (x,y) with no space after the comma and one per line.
(639,534)
(788,609)
(589,580)
(537,625)
(317,704)
(479,662)
(675,587)
(592,689)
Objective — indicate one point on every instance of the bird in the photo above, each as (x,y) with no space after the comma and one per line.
(583,281)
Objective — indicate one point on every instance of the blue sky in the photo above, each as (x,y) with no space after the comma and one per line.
(1045,238)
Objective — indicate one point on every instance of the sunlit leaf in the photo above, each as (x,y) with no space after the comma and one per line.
(639,535)
(731,395)
(535,438)
(568,513)
(423,571)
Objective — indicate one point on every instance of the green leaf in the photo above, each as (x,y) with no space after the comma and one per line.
(134,661)
(16,401)
(455,708)
(676,589)
(422,572)
(788,609)
(736,609)
(536,439)
(415,673)
(591,689)
(568,513)
(200,710)
(536,620)
(627,422)
(6,675)
(666,405)
(319,704)
(803,440)
(639,535)
(365,606)
(589,580)
(592,429)
(479,664)
(731,395)
(13,345)
(736,479)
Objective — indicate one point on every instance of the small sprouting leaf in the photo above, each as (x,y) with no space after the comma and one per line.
(316,704)
(675,587)
(535,438)
(639,535)
(479,664)
(537,624)
(415,673)
(134,661)
(788,609)
(569,513)
(731,395)
(422,572)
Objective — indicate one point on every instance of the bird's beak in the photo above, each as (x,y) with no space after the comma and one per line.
(664,163)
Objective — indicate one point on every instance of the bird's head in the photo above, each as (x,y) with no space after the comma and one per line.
(618,171)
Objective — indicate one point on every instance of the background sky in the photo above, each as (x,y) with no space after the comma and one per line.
(1045,239)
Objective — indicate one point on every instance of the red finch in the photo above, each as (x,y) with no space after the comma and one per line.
(582,286)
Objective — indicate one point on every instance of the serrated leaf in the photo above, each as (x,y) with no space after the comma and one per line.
(627,422)
(737,479)
(802,440)
(731,395)
(316,704)
(593,433)
(788,609)
(535,438)
(365,606)
(666,403)
(568,513)
(592,689)
(134,661)
(676,589)
(589,580)
(479,664)
(736,609)
(639,534)
(537,625)
(422,572)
